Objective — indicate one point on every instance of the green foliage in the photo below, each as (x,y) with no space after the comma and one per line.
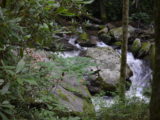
(10,29)
(25,88)
(34,22)
(75,66)
(141,11)
(31,86)
(6,110)
(49,115)
(141,17)
(132,109)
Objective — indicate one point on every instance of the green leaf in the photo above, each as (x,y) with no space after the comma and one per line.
(20,66)
(31,81)
(3,116)
(20,81)
(5,89)
(1,81)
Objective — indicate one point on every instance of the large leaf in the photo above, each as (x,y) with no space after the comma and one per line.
(5,89)
(31,81)
(20,66)
(3,116)
(65,12)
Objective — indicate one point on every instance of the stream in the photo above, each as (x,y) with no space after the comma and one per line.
(142,74)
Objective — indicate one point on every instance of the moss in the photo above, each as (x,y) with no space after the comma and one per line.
(152,55)
(77,90)
(103,85)
(84,37)
(70,88)
(88,109)
(116,32)
(87,91)
(144,49)
(104,30)
(63,96)
(73,97)
(136,46)
(107,38)
(118,43)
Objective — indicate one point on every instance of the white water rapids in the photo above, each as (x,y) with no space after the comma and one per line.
(142,75)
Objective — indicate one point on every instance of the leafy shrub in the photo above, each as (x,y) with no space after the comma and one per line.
(141,17)
(24,89)
(133,109)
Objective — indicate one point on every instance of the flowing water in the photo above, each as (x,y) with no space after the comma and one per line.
(142,74)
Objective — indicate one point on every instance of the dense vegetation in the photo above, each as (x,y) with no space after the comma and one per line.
(26,81)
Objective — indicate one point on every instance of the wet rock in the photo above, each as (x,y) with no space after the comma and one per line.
(104,36)
(136,46)
(87,41)
(107,70)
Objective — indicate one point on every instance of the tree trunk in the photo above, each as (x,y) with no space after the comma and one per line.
(103,10)
(155,97)
(124,50)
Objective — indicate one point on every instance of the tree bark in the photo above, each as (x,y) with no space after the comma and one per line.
(103,11)
(155,97)
(124,50)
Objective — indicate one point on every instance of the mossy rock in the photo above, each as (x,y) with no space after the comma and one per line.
(76,105)
(144,49)
(106,38)
(136,46)
(107,72)
(118,32)
(88,109)
(117,44)
(104,30)
(83,37)
(62,95)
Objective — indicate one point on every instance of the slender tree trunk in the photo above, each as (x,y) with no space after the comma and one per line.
(103,10)
(155,97)
(124,50)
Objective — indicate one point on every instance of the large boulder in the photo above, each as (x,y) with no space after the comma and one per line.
(106,72)
(74,95)
(105,36)
(118,32)
(109,36)
(68,89)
